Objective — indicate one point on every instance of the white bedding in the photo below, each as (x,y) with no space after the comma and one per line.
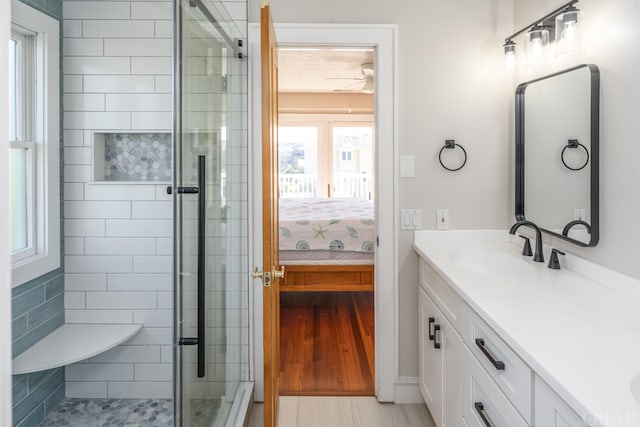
(331,225)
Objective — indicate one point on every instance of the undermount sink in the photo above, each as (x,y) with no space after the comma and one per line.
(486,261)
(635,388)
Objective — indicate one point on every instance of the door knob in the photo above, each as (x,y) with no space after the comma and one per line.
(278,274)
(257,273)
(265,276)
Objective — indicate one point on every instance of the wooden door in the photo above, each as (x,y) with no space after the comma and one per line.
(270,262)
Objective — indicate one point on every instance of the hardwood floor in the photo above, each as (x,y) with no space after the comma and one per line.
(327,343)
(344,412)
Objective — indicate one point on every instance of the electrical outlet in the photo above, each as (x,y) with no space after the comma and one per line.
(442,219)
(579,214)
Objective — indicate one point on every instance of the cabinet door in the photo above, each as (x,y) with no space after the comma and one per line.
(452,349)
(551,411)
(431,359)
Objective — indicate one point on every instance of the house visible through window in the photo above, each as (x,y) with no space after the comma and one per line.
(34,124)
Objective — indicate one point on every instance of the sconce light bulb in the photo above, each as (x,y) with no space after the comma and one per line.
(510,59)
(569,33)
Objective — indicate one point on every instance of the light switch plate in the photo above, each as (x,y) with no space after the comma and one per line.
(407,167)
(411,219)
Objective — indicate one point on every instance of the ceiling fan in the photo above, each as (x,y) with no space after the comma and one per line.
(365,82)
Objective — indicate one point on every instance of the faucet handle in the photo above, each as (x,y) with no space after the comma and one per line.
(554,263)
(526,249)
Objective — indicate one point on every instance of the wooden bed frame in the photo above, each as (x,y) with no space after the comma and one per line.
(323,278)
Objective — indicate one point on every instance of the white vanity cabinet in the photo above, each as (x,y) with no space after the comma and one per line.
(551,411)
(468,375)
(440,375)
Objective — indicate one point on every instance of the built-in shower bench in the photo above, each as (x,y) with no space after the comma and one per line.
(70,343)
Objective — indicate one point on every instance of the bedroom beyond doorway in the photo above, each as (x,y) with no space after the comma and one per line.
(327,220)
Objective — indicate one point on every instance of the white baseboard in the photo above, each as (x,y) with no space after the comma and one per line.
(407,391)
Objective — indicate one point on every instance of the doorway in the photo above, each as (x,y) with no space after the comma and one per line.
(326,219)
(382,37)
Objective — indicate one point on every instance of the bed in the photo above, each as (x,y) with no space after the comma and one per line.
(327,244)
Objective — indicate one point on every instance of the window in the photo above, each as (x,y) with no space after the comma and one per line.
(34,123)
(298,161)
(353,163)
(329,155)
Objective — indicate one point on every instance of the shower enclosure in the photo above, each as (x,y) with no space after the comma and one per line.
(211,347)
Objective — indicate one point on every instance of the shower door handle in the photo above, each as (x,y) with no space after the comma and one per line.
(202,217)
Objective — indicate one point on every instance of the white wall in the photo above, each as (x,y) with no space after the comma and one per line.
(117,77)
(5,272)
(612,41)
(451,84)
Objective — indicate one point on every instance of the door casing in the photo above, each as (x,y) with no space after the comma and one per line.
(383,37)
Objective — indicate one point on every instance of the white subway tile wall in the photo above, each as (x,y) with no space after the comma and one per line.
(118,237)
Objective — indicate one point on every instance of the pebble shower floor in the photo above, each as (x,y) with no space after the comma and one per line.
(111,412)
(127,412)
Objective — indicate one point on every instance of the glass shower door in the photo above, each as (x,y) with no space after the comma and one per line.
(210,195)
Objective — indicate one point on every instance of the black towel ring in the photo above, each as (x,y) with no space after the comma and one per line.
(451,144)
(573,143)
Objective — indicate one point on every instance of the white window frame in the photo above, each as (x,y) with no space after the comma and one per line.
(42,138)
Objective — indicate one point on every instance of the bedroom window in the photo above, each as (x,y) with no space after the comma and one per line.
(325,156)
(352,173)
(298,161)
(34,143)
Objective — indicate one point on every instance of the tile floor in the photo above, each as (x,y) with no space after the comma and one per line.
(344,412)
(111,412)
(127,412)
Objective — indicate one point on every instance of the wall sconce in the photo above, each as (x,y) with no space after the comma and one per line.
(510,53)
(559,26)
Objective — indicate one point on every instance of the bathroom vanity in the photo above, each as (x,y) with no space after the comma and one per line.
(508,342)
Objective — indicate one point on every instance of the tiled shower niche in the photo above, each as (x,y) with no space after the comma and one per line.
(132,157)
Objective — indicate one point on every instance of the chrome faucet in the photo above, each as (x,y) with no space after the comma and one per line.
(537,256)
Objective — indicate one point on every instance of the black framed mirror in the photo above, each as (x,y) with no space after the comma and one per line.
(557,153)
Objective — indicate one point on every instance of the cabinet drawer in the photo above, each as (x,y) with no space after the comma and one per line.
(551,411)
(447,300)
(509,372)
(483,404)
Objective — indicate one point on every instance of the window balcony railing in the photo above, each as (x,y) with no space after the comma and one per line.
(298,185)
(301,185)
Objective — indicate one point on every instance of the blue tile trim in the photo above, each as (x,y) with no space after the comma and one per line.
(19,327)
(38,281)
(34,419)
(32,337)
(20,388)
(53,401)
(46,311)
(27,301)
(54,287)
(38,395)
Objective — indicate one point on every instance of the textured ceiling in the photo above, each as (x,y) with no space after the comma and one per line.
(322,70)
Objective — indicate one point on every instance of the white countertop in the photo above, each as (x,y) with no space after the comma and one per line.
(581,337)
(71,343)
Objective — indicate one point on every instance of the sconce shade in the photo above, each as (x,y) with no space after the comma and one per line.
(509,47)
(570,16)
